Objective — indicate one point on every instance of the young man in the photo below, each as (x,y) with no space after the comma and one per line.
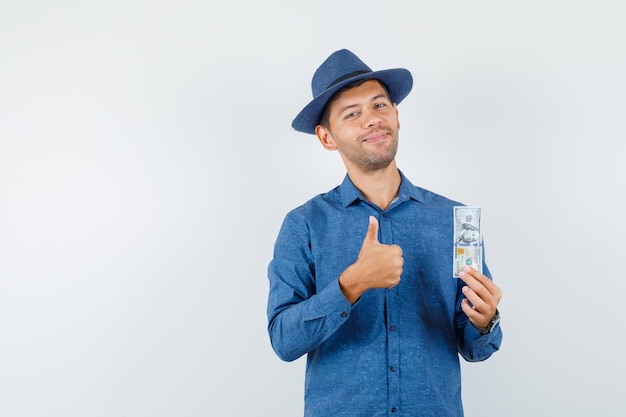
(361,280)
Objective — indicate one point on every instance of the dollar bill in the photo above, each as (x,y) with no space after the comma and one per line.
(468,242)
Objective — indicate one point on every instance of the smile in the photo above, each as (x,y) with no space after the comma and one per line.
(377,137)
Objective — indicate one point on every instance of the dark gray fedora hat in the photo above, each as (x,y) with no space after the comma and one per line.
(340,68)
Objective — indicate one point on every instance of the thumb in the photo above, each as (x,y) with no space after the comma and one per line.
(372,231)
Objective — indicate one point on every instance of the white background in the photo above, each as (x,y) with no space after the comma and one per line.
(147,161)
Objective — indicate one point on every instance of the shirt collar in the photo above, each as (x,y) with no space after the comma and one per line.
(349,193)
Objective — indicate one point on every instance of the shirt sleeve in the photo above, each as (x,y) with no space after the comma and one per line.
(300,316)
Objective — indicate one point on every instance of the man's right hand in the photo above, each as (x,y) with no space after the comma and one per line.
(378,266)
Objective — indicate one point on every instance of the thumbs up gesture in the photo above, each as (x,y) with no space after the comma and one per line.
(377,266)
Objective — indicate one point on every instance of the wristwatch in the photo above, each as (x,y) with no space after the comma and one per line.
(492,324)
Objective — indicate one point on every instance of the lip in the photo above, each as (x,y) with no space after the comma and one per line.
(376,137)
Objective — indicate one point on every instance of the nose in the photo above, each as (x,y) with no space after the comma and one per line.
(371,119)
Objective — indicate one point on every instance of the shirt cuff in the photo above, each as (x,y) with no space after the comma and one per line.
(332,301)
(484,345)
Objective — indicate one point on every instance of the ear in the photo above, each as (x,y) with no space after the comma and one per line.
(325,138)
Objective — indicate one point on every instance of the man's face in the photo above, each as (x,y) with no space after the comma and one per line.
(363,127)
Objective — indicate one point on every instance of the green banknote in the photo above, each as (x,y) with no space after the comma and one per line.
(468,242)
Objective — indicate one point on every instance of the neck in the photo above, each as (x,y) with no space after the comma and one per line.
(379,187)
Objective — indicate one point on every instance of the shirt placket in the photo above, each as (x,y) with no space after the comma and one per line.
(393,337)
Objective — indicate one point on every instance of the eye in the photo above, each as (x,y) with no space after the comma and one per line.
(351,115)
(380,105)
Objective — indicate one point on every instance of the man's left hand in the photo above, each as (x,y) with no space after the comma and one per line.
(481,297)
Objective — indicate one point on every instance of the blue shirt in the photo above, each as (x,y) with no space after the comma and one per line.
(395,352)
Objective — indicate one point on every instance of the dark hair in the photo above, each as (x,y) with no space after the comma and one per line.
(325,115)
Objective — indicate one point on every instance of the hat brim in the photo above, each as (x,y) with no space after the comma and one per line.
(398,82)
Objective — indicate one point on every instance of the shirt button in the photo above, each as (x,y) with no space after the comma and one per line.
(392,328)
(393,369)
(393,409)
(385,215)
(344,314)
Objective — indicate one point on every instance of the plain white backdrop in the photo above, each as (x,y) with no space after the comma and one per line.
(147,161)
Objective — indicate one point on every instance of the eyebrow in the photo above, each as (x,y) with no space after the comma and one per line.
(376,97)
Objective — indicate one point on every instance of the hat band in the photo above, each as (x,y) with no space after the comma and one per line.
(345,77)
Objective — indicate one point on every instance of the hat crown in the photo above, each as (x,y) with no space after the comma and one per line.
(339,66)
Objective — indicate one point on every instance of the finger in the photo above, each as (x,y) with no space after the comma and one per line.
(372,231)
(480,319)
(469,279)
(476,274)
(479,282)
(470,311)
(477,302)
(481,298)
(397,248)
